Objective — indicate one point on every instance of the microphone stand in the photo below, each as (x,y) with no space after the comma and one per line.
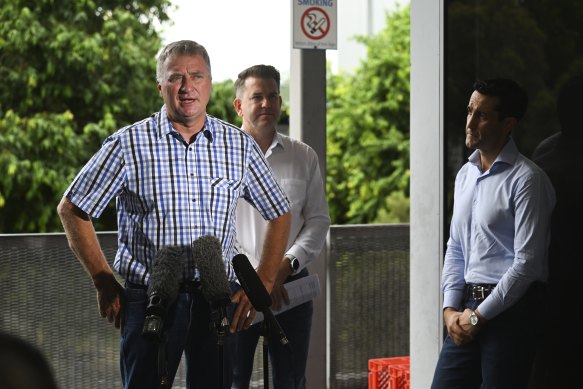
(270,324)
(265,335)
(162,366)
(219,318)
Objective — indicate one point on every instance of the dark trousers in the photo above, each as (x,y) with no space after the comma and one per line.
(502,352)
(190,331)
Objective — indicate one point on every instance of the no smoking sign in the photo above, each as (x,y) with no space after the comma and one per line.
(314,24)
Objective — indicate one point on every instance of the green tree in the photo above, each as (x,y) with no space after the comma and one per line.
(221,102)
(73,71)
(368,130)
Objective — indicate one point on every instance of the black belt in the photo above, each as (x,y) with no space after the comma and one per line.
(478,292)
(183,287)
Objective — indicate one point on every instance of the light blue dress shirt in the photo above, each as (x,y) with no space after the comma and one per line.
(500,230)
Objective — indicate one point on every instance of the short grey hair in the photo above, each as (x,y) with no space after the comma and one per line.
(181,48)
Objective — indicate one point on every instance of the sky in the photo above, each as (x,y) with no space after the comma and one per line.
(236,33)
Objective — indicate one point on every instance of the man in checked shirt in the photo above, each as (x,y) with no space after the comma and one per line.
(175,176)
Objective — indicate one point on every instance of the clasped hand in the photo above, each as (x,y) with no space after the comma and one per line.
(458,326)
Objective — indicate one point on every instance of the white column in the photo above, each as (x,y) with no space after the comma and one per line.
(308,124)
(427,192)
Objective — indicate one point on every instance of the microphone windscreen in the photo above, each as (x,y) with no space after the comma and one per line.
(251,283)
(208,258)
(166,273)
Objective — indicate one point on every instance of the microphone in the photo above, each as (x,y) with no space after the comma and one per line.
(208,258)
(256,292)
(162,291)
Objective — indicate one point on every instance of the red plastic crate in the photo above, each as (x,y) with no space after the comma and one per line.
(388,373)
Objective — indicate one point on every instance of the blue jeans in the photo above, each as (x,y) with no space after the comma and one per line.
(502,352)
(189,330)
(288,368)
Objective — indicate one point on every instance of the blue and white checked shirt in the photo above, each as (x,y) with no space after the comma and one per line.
(169,193)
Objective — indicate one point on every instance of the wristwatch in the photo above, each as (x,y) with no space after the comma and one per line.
(294,264)
(474,319)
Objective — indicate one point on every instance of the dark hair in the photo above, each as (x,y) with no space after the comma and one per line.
(23,366)
(569,103)
(259,71)
(512,99)
(181,48)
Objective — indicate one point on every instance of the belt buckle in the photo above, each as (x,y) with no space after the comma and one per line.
(478,292)
(482,295)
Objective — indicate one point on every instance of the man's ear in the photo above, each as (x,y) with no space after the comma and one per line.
(509,124)
(237,105)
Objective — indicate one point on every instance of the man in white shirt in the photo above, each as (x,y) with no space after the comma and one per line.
(295,166)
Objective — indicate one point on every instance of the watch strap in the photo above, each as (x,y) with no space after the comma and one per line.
(294,264)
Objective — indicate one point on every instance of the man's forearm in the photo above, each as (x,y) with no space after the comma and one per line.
(274,246)
(83,240)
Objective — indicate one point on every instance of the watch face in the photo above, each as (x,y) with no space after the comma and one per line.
(473,319)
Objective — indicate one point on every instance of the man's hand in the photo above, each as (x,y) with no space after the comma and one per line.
(244,313)
(458,326)
(110,299)
(279,297)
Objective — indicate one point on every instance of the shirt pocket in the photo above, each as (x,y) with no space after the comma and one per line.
(223,186)
(222,201)
(295,190)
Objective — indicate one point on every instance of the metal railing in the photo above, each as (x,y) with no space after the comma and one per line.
(47,299)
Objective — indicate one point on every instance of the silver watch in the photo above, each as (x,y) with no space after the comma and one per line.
(474,318)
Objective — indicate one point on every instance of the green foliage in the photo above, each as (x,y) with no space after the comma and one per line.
(221,102)
(39,155)
(396,209)
(368,130)
(73,71)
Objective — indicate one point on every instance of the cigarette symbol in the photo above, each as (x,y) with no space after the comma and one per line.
(314,23)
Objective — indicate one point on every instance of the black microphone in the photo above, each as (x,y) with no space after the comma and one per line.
(208,258)
(256,292)
(162,291)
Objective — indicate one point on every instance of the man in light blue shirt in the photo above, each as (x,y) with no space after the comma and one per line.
(495,265)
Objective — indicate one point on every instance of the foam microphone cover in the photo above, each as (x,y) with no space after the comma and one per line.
(251,283)
(208,258)
(166,273)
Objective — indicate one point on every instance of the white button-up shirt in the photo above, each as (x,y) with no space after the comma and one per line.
(296,168)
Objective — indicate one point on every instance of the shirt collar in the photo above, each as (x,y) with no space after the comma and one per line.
(165,126)
(507,155)
(277,143)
